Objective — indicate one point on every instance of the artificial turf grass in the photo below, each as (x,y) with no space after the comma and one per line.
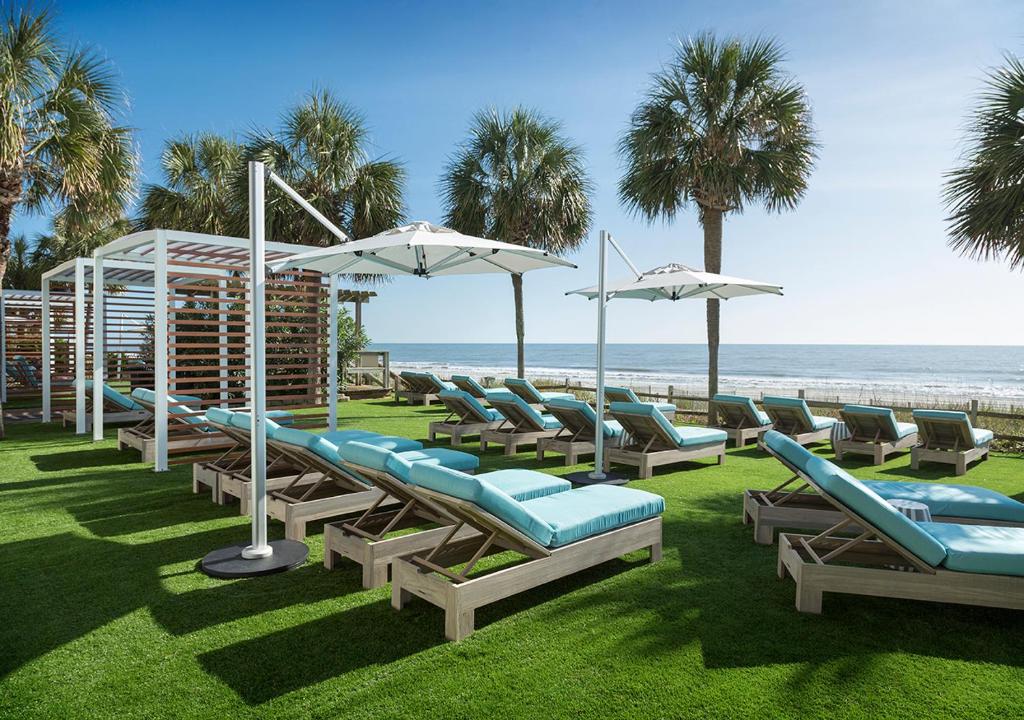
(105,615)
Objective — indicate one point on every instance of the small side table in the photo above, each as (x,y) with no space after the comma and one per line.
(918,512)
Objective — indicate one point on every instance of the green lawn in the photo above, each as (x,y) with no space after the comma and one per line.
(104,615)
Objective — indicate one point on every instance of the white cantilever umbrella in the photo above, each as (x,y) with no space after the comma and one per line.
(667,282)
(424,250)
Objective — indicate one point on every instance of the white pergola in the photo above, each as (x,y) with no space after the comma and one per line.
(79,274)
(10,299)
(156,252)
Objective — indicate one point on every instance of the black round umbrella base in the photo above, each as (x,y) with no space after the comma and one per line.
(228,563)
(583,478)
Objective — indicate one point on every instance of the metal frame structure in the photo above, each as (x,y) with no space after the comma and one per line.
(78,275)
(178,263)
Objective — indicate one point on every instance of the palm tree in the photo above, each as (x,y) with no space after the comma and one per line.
(63,243)
(986,193)
(519,180)
(200,194)
(22,272)
(720,127)
(61,148)
(322,150)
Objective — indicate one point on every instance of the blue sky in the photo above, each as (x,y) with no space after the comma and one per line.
(863,259)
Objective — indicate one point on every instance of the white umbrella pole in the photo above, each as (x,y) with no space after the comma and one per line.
(257,353)
(602,304)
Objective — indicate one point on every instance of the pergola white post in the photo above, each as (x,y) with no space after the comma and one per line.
(160,348)
(257,352)
(602,306)
(332,355)
(80,357)
(98,351)
(46,354)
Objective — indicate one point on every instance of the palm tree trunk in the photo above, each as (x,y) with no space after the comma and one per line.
(517,293)
(711,219)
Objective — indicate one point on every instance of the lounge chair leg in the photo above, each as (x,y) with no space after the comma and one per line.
(483,445)
(915,461)
(510,448)
(763,534)
(431,434)
(458,624)
(961,464)
(540,452)
(295,530)
(879,455)
(399,597)
(808,599)
(721,458)
(780,568)
(375,575)
(330,559)
(656,552)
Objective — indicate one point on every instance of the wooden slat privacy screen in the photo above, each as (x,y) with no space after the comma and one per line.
(23,342)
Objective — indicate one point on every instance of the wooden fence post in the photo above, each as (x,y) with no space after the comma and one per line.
(801,394)
(974,411)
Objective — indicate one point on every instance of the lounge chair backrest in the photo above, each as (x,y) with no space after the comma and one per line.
(866,505)
(867,422)
(524,389)
(736,411)
(116,398)
(415,381)
(243,421)
(789,414)
(312,450)
(945,429)
(485,496)
(425,382)
(576,416)
(615,393)
(177,405)
(517,411)
(645,424)
(467,407)
(219,416)
(470,385)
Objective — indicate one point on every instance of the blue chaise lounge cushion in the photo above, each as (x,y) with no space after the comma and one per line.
(536,396)
(480,492)
(592,510)
(540,421)
(980,548)
(981,436)
(626,392)
(954,501)
(483,414)
(684,436)
(815,422)
(612,429)
(399,464)
(887,417)
(119,399)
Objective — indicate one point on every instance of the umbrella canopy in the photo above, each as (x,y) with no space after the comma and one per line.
(679,282)
(422,249)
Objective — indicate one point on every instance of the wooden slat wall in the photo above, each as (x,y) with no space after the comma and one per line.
(23,331)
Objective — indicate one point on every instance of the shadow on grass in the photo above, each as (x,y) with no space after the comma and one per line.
(82,457)
(147,509)
(59,588)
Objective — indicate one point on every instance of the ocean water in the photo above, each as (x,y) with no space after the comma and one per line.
(853,373)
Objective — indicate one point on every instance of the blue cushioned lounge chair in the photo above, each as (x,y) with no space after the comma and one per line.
(467,383)
(187,429)
(738,417)
(531,395)
(420,387)
(579,428)
(797,502)
(651,440)
(560,534)
(117,408)
(792,417)
(325,487)
(466,416)
(615,393)
(894,556)
(948,437)
(417,523)
(523,425)
(874,431)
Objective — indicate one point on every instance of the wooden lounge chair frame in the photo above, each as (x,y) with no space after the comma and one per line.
(612,394)
(320,490)
(113,414)
(943,441)
(460,422)
(431,576)
(737,424)
(575,439)
(800,503)
(657,449)
(880,569)
(870,436)
(516,429)
(418,389)
(141,436)
(790,421)
(365,539)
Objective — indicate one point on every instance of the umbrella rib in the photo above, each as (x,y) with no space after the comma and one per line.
(370,257)
(449,261)
(497,264)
